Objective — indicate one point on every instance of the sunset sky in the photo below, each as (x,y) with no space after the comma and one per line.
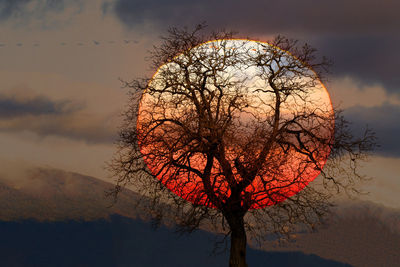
(60,64)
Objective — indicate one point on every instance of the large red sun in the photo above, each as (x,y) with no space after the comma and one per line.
(170,137)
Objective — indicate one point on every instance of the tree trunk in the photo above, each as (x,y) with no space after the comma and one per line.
(238,243)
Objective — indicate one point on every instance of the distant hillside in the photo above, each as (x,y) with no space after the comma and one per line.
(362,234)
(55,195)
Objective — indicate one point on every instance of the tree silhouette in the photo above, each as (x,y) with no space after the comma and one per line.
(230,133)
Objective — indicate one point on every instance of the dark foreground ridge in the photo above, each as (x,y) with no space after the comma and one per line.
(122,241)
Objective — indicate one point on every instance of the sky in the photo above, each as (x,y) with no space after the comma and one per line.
(61,61)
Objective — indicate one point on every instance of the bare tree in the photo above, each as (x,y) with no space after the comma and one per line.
(231,132)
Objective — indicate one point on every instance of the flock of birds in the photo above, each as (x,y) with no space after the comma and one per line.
(93,42)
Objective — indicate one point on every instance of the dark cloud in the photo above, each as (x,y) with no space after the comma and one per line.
(267,16)
(12,106)
(361,36)
(89,128)
(9,8)
(46,117)
(26,9)
(106,7)
(371,59)
(384,120)
(57,5)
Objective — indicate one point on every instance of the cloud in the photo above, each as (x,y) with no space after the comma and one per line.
(84,126)
(23,111)
(347,92)
(14,105)
(371,59)
(9,8)
(266,16)
(106,7)
(25,11)
(361,36)
(384,120)
(20,8)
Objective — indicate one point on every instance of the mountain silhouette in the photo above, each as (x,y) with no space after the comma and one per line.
(42,204)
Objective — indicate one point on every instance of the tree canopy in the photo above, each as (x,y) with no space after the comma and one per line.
(232,131)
